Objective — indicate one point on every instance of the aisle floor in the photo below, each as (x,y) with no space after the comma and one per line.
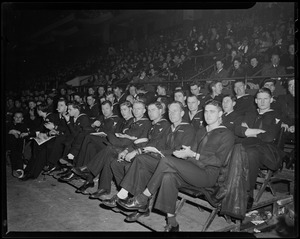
(46,205)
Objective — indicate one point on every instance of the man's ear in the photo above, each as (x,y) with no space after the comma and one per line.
(182,113)
(220,113)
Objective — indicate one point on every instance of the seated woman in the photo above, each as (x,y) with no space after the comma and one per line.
(258,132)
(196,166)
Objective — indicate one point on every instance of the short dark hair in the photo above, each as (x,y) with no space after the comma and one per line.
(43,107)
(103,86)
(264,90)
(19,112)
(78,93)
(75,105)
(139,102)
(157,104)
(132,85)
(178,103)
(110,93)
(141,87)
(141,97)
(219,59)
(106,102)
(162,86)
(267,80)
(213,83)
(165,99)
(91,95)
(195,83)
(62,99)
(216,103)
(240,80)
(232,97)
(190,96)
(117,87)
(126,103)
(180,91)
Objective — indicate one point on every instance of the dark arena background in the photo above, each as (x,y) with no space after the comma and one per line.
(62,62)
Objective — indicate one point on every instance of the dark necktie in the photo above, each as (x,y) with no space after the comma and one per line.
(258,121)
(203,142)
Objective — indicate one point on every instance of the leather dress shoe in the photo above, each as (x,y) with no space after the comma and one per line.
(134,204)
(54,169)
(112,202)
(100,192)
(68,170)
(26,177)
(50,170)
(170,228)
(135,216)
(84,187)
(81,173)
(66,161)
(68,177)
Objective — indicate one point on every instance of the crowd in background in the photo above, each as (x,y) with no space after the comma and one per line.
(171,54)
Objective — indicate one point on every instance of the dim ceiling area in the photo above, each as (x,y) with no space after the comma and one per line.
(31,30)
(30,27)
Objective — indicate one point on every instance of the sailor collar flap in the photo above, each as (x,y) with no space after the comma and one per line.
(179,127)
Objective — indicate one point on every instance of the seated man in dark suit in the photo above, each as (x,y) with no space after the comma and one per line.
(220,72)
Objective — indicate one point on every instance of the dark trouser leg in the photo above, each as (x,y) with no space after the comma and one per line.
(99,141)
(58,149)
(118,170)
(255,163)
(15,146)
(168,192)
(81,154)
(77,142)
(90,147)
(92,150)
(96,163)
(106,174)
(139,173)
(38,161)
(185,172)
